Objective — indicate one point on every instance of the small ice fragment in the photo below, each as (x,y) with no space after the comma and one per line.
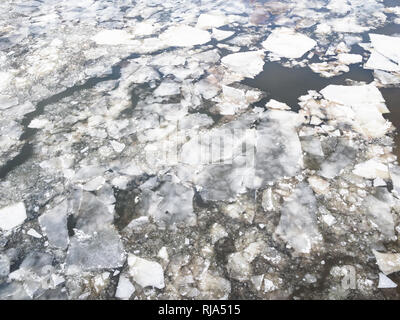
(146,273)
(125,288)
(33,233)
(117,146)
(385,282)
(12,216)
(273,104)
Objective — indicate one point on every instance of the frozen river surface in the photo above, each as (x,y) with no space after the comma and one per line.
(199,149)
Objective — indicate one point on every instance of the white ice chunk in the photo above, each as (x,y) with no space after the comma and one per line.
(273,104)
(371,169)
(5,79)
(12,216)
(385,282)
(38,123)
(184,36)
(349,58)
(208,21)
(221,34)
(145,272)
(125,288)
(94,184)
(387,262)
(117,146)
(113,37)
(287,43)
(33,233)
(319,185)
(248,64)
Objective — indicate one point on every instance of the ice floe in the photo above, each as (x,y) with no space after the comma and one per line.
(287,43)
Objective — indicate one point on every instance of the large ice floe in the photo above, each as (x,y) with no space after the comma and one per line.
(159,149)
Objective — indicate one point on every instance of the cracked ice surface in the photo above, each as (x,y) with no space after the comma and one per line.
(141,158)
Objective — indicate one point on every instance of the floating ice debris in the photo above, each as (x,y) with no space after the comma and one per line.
(329,69)
(146,273)
(134,77)
(287,43)
(221,34)
(387,262)
(328,219)
(33,233)
(185,36)
(38,123)
(349,58)
(113,37)
(371,169)
(297,225)
(273,104)
(269,285)
(367,103)
(117,146)
(319,185)
(248,64)
(54,224)
(125,288)
(209,21)
(385,282)
(12,216)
